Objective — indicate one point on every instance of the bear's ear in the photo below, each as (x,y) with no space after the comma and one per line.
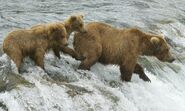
(81,16)
(162,35)
(73,18)
(156,42)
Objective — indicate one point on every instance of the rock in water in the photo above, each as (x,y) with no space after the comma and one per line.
(9,79)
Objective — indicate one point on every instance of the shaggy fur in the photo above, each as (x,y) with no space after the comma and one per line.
(34,42)
(110,45)
(72,23)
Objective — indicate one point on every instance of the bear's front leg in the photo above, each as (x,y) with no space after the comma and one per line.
(139,70)
(39,57)
(127,69)
(56,52)
(72,53)
(88,62)
(126,74)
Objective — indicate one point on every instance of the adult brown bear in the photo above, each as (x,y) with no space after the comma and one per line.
(110,45)
(34,42)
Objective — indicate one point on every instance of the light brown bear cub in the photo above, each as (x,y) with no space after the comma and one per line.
(72,24)
(109,45)
(34,42)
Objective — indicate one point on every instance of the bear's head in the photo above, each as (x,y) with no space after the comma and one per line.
(160,49)
(57,35)
(76,23)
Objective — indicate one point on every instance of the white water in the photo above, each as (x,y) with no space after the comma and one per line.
(166,92)
(101,88)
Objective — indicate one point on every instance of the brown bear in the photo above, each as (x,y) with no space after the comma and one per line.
(72,23)
(110,45)
(34,42)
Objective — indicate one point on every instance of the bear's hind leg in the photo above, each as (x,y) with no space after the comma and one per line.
(39,58)
(17,58)
(139,70)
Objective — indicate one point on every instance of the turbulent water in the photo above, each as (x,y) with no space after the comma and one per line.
(64,88)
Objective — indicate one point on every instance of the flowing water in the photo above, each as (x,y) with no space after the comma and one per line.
(64,88)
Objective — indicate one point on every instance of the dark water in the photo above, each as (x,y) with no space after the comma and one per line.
(148,14)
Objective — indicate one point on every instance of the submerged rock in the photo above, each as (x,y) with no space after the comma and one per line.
(10,81)
(109,95)
(60,70)
(76,90)
(72,90)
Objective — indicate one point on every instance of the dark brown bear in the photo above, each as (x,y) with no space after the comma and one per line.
(122,47)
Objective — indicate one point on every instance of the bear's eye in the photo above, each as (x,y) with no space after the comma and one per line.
(80,24)
(63,36)
(166,50)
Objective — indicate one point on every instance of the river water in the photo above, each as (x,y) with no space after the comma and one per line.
(63,88)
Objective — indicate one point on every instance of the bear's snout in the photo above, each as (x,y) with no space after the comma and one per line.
(171,59)
(66,44)
(82,30)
